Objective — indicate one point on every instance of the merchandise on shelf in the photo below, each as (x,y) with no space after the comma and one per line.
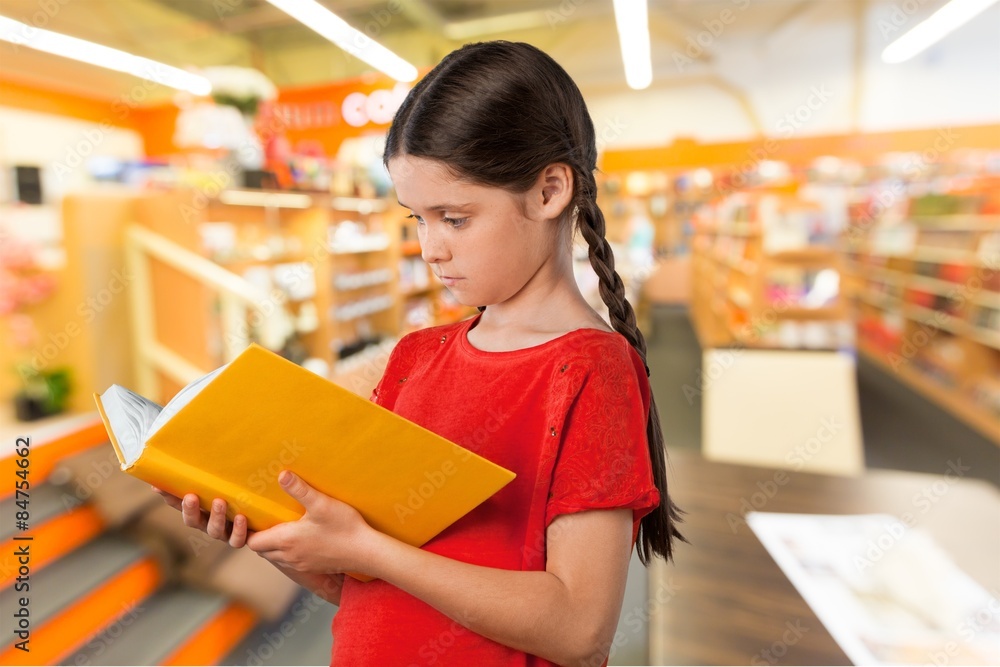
(765,274)
(925,287)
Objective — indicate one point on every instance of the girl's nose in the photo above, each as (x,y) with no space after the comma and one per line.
(433,247)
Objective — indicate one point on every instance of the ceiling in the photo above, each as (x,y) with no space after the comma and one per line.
(580,34)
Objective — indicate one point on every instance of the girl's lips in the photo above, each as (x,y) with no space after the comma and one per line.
(449,281)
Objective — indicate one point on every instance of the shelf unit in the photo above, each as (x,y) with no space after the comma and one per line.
(753,289)
(334,264)
(925,291)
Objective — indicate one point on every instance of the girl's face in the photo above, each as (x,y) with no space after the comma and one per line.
(486,244)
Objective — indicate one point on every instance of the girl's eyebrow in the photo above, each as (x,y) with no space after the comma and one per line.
(441,207)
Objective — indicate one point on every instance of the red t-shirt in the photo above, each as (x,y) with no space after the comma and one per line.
(567,416)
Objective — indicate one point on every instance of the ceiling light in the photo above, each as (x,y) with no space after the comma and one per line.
(633,33)
(91,53)
(933,29)
(358,44)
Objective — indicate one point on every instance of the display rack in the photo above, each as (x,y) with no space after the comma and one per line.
(925,291)
(344,275)
(765,277)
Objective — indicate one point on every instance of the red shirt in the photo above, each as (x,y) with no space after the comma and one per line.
(567,416)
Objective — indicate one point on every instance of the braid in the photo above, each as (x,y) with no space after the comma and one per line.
(658,529)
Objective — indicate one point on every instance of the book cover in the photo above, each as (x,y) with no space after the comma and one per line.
(263,414)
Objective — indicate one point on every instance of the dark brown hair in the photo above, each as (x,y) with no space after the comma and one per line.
(498,113)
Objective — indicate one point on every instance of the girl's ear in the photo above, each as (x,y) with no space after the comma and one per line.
(553,191)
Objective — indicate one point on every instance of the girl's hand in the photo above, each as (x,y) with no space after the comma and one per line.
(331,537)
(213,524)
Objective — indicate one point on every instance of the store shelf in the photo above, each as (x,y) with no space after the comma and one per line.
(948,398)
(935,285)
(958,222)
(734,279)
(364,245)
(934,318)
(954,255)
(809,254)
(985,336)
(941,347)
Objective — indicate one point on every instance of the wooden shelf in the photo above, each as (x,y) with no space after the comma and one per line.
(810,254)
(956,403)
(973,352)
(958,222)
(730,281)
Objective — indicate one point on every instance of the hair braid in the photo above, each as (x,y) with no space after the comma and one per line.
(658,528)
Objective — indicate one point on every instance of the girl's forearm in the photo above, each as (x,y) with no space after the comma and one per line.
(528,611)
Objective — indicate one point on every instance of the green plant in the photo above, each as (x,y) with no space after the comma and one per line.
(43,392)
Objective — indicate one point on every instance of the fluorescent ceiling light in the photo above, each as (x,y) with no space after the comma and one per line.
(91,53)
(935,28)
(633,33)
(317,17)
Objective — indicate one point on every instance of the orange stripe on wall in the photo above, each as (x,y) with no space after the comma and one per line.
(52,539)
(23,95)
(43,457)
(69,630)
(866,148)
(214,640)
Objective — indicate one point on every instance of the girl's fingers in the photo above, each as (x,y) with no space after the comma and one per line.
(239,535)
(191,511)
(216,526)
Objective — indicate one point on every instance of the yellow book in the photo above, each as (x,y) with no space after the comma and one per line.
(228,435)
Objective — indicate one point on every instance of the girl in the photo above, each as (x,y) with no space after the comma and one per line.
(493,152)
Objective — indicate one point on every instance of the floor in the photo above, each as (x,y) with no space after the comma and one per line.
(901,429)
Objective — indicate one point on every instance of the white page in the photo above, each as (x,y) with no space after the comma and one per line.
(182,398)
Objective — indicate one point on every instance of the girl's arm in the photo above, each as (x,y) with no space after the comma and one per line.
(566,614)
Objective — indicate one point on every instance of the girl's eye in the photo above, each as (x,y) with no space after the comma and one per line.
(415,217)
(455,222)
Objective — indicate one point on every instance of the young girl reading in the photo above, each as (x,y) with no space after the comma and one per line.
(493,153)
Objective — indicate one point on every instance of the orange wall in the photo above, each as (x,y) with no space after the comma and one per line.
(800,151)
(21,95)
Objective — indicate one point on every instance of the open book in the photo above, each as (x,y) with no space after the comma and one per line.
(229,433)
